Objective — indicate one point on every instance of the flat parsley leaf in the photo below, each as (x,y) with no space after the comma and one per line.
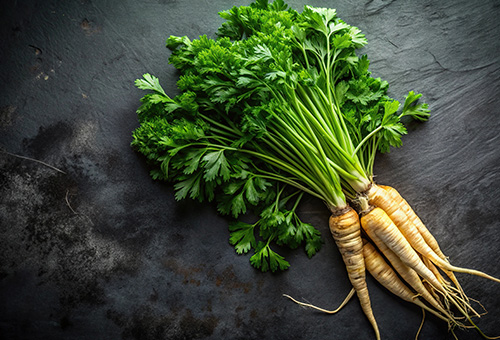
(266,259)
(242,236)
(216,164)
(150,83)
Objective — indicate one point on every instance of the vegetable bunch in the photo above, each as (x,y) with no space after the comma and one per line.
(279,106)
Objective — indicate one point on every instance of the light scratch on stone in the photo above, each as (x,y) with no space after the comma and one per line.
(33,160)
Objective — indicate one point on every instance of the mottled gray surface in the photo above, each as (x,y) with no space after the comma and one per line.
(103,252)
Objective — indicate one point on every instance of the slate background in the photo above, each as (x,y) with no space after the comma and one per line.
(103,252)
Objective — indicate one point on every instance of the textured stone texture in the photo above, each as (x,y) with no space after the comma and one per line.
(103,252)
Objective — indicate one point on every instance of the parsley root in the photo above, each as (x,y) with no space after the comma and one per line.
(346,232)
(387,277)
(377,224)
(388,238)
(407,274)
(413,229)
(396,197)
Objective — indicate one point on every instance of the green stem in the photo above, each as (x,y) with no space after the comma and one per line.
(366,139)
(297,201)
(230,127)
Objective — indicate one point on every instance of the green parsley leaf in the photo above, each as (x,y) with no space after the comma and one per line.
(265,258)
(416,111)
(242,236)
(150,83)
(216,164)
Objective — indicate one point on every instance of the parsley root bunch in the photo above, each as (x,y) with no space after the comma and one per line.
(279,106)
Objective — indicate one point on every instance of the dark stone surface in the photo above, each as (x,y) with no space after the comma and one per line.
(103,252)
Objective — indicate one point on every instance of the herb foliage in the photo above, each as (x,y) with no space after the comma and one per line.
(278,106)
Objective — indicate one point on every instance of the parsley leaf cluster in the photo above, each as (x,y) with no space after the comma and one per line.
(278,106)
